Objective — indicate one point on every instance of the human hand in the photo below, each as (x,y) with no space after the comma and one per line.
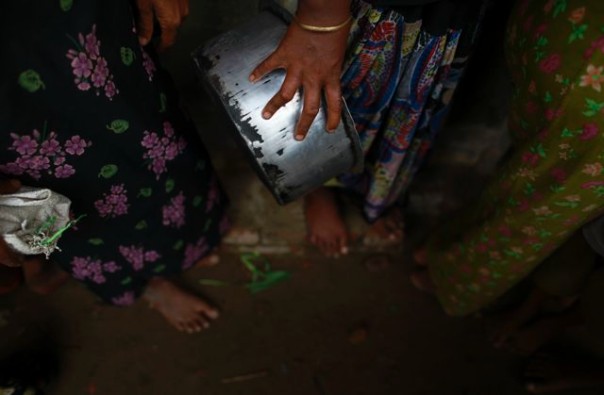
(312,61)
(7,256)
(169,14)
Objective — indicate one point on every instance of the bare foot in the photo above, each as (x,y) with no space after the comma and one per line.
(186,312)
(326,227)
(422,280)
(42,276)
(387,231)
(545,374)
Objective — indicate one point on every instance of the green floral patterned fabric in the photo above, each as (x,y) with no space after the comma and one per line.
(553,182)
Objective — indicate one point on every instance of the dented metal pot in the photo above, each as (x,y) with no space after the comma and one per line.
(289,168)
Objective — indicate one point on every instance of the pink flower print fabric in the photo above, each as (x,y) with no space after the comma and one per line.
(125,299)
(194,252)
(40,155)
(161,148)
(148,65)
(174,212)
(113,204)
(87,268)
(87,115)
(137,256)
(89,68)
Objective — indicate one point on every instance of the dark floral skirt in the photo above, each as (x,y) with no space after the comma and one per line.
(85,111)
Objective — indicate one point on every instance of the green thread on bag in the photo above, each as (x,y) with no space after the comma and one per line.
(52,238)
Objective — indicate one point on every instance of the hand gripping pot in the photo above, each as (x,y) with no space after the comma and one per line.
(289,168)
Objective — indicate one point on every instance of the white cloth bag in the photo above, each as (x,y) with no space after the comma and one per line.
(32,220)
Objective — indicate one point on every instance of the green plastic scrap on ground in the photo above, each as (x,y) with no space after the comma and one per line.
(263,276)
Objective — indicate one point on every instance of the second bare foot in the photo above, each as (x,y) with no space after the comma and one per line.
(326,227)
(183,310)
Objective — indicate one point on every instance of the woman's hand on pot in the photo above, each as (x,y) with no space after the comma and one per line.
(313,63)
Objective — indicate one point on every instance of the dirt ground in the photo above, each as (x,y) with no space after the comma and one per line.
(334,328)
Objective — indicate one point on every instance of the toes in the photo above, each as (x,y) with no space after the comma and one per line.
(331,247)
(212,314)
(321,248)
(321,244)
(328,249)
(209,311)
(325,247)
(342,245)
(189,328)
(195,324)
(200,321)
(200,324)
(179,325)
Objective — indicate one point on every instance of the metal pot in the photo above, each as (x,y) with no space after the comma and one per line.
(289,168)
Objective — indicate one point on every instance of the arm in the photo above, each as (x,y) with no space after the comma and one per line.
(313,61)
